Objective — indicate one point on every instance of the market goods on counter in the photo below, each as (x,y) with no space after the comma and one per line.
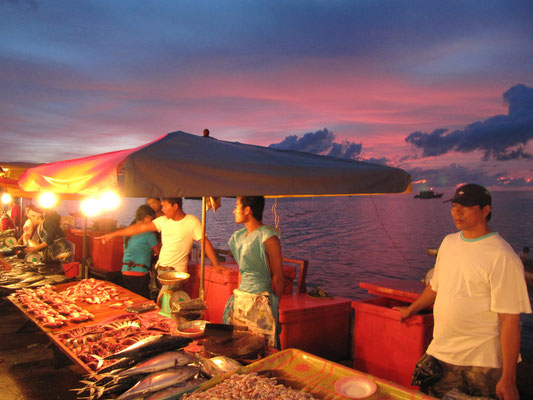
(159,381)
(159,362)
(91,291)
(174,391)
(151,345)
(249,386)
(50,307)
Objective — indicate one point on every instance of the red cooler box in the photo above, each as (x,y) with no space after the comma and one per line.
(316,325)
(107,256)
(383,346)
(219,287)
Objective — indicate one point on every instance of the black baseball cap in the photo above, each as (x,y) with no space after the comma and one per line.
(470,195)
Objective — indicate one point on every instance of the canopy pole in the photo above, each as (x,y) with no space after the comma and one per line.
(202,251)
(84,266)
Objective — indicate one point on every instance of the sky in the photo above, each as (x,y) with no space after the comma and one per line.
(443,90)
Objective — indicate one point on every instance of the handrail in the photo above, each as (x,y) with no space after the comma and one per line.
(303,264)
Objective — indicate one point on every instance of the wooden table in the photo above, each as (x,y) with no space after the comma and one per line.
(102,313)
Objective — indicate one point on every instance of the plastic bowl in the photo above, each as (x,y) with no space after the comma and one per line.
(192,329)
(355,387)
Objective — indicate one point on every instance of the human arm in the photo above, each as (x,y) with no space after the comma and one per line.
(131,230)
(33,249)
(510,344)
(212,255)
(275,264)
(426,299)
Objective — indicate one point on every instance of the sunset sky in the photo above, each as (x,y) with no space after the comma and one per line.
(442,89)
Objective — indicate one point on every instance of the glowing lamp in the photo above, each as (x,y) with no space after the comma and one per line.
(109,200)
(90,207)
(6,198)
(47,200)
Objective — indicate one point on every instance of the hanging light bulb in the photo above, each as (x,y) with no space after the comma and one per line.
(6,198)
(90,207)
(47,200)
(109,200)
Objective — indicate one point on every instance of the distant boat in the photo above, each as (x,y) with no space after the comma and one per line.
(428,194)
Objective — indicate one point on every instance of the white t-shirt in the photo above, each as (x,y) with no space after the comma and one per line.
(475,279)
(177,238)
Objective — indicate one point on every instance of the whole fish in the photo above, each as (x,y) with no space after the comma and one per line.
(32,279)
(152,345)
(160,362)
(41,282)
(173,392)
(159,381)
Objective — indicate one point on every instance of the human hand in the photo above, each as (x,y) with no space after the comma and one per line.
(221,269)
(404,312)
(29,250)
(105,238)
(506,390)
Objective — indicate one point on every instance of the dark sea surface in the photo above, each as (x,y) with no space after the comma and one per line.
(363,238)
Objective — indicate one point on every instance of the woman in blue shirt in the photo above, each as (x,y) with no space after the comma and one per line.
(138,255)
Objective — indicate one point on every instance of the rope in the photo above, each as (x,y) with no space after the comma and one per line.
(388,235)
(275,212)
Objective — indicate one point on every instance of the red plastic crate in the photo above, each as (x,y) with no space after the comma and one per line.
(107,256)
(316,325)
(383,346)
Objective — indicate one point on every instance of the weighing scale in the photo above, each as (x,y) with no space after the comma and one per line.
(171,292)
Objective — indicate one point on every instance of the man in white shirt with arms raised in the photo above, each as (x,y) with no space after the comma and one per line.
(178,232)
(478,290)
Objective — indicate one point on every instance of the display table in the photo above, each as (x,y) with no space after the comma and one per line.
(319,377)
(102,313)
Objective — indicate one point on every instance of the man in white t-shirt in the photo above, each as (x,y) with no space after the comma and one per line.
(178,232)
(478,291)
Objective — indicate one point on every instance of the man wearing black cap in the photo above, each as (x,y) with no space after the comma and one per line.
(478,290)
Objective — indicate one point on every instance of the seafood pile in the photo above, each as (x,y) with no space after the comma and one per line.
(154,368)
(22,274)
(51,308)
(91,291)
(96,345)
(249,386)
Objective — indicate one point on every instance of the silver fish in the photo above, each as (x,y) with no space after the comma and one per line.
(160,362)
(159,381)
(173,392)
(41,283)
(32,279)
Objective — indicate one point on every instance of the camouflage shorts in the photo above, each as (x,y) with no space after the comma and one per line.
(474,381)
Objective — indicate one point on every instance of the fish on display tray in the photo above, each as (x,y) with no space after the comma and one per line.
(159,362)
(159,381)
(173,392)
(152,345)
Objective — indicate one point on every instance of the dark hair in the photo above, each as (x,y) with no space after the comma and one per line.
(174,200)
(144,211)
(256,204)
(525,249)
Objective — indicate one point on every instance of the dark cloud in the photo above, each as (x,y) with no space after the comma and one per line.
(321,142)
(454,174)
(501,137)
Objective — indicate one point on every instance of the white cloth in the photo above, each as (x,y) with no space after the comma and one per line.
(177,238)
(475,279)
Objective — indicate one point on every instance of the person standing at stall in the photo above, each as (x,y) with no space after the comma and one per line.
(478,291)
(178,232)
(53,244)
(138,250)
(155,203)
(257,250)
